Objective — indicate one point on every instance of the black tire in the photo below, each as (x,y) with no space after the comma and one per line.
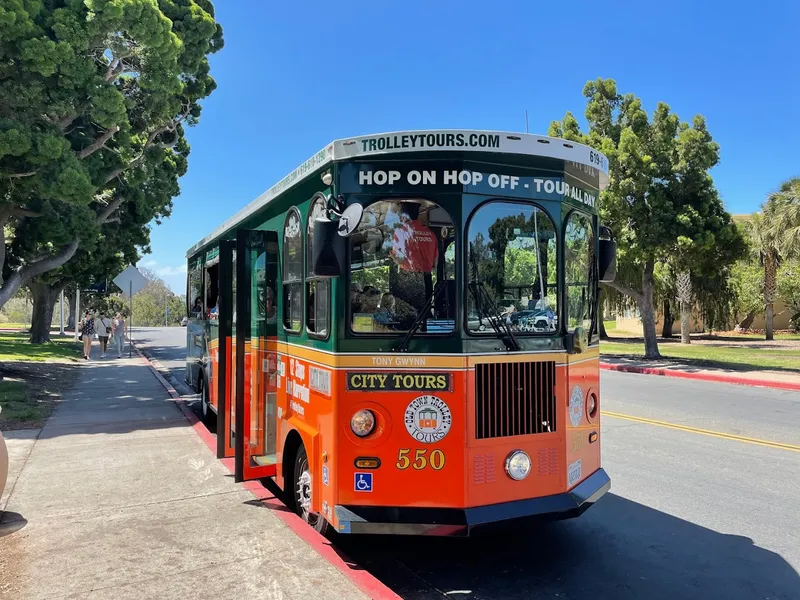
(209,418)
(301,494)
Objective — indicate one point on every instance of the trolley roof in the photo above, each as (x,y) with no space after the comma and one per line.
(403,142)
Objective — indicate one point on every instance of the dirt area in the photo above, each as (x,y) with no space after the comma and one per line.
(44,385)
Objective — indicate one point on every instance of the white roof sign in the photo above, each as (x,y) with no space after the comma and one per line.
(446,140)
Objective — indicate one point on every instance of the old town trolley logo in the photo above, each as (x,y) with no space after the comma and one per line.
(428,419)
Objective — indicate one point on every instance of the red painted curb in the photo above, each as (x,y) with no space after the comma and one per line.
(780,385)
(368,584)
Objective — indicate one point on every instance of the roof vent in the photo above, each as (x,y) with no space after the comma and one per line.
(569,145)
(543,141)
(513,137)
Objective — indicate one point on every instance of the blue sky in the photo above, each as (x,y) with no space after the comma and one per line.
(294,76)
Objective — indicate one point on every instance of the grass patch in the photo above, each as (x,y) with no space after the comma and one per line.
(16,347)
(610,325)
(713,356)
(18,406)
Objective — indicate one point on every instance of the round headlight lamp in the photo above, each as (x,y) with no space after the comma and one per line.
(362,423)
(518,465)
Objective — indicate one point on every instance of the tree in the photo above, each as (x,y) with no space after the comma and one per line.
(661,202)
(788,290)
(108,248)
(155,302)
(92,93)
(764,240)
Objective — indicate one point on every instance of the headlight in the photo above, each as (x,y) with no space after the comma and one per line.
(591,406)
(518,465)
(362,423)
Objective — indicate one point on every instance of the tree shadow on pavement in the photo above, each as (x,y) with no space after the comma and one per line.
(618,549)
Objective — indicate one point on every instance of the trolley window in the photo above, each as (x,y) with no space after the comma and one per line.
(512,269)
(401,270)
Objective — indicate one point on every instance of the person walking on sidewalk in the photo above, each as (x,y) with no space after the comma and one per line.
(87,333)
(118,333)
(102,325)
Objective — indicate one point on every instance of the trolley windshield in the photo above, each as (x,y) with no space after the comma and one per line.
(512,269)
(402,268)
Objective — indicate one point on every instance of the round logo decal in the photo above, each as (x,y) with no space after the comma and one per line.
(576,406)
(428,419)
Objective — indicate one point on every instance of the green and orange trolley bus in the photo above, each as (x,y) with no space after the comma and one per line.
(402,332)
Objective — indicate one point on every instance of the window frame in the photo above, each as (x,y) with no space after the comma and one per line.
(594,328)
(311,277)
(466,271)
(350,332)
(284,282)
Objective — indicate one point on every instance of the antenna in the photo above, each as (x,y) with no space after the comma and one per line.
(526,122)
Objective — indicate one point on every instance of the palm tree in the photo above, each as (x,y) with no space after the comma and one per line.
(785,217)
(775,234)
(764,247)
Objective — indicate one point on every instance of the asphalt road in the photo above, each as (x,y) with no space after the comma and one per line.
(691,514)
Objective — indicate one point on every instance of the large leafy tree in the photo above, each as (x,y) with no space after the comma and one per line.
(108,247)
(661,201)
(93,93)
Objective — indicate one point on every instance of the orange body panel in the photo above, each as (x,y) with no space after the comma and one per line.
(313,399)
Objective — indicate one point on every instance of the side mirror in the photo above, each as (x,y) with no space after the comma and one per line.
(328,248)
(577,341)
(607,257)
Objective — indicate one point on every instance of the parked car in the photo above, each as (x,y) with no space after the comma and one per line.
(184,321)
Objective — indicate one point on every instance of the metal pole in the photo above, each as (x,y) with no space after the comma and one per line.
(77,311)
(166,309)
(130,321)
(61,310)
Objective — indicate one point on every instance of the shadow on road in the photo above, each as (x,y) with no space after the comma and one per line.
(618,549)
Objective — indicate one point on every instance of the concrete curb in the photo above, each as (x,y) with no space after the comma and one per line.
(365,581)
(780,385)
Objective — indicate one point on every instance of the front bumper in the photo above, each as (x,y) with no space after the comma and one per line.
(459,521)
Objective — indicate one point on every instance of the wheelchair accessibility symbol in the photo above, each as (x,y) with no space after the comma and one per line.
(363,482)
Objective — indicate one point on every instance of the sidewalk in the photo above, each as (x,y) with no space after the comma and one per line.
(118,498)
(786,380)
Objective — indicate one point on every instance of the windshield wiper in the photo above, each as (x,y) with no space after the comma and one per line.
(403,345)
(505,333)
(498,323)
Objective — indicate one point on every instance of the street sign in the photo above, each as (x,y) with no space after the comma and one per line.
(130,280)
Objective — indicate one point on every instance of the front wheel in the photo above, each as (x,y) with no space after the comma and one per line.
(302,493)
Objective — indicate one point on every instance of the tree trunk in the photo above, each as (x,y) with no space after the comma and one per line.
(69,299)
(770,285)
(770,313)
(44,301)
(648,312)
(669,320)
(603,333)
(747,321)
(686,322)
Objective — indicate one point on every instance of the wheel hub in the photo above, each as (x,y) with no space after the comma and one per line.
(304,492)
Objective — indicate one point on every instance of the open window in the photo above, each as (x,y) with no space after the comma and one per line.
(399,269)
(292,272)
(318,289)
(212,286)
(194,297)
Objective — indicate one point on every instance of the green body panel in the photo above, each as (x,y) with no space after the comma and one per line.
(459,203)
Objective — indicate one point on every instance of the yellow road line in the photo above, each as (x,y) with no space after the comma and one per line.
(718,434)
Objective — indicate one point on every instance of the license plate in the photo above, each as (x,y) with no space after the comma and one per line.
(574,473)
